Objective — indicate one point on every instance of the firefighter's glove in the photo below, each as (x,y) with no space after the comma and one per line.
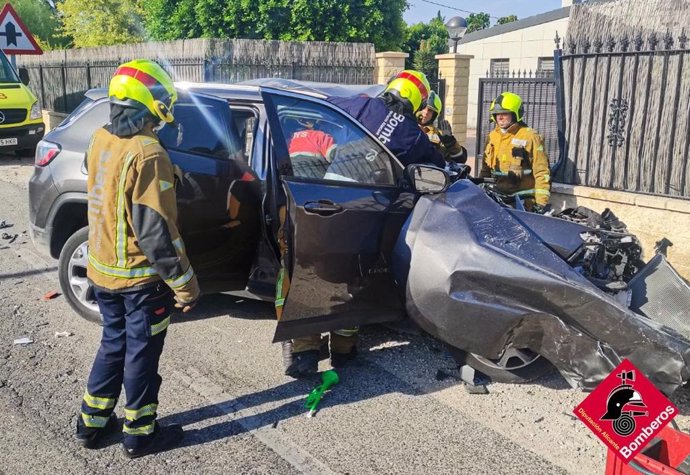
(447,140)
(520,152)
(185,306)
(514,176)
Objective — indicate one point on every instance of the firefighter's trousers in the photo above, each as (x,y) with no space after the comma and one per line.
(342,341)
(134,328)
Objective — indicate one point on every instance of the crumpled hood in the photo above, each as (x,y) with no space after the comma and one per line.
(478,278)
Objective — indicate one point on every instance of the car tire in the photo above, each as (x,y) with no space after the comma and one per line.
(516,366)
(72,275)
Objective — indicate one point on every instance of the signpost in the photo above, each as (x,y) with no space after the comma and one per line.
(15,37)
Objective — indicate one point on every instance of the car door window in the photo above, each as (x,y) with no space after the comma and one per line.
(324,144)
(202,129)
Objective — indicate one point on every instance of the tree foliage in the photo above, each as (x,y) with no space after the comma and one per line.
(506,19)
(42,21)
(376,21)
(434,34)
(102,22)
(477,21)
(425,61)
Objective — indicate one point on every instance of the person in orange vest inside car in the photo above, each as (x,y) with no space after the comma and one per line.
(515,155)
(311,150)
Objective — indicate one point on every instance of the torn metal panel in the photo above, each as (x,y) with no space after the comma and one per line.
(479,278)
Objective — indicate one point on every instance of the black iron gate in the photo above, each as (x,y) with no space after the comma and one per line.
(542,97)
(628,113)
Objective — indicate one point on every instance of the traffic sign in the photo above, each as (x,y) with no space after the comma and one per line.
(15,37)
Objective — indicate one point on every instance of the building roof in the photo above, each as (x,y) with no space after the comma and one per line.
(535,20)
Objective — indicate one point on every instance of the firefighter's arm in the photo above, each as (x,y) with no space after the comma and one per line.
(154,218)
(486,162)
(540,169)
(456,152)
(430,154)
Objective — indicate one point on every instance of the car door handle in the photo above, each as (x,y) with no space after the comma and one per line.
(322,207)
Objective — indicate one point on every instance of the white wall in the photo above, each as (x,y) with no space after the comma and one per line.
(523,48)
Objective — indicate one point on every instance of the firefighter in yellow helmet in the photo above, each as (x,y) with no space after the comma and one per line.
(443,140)
(515,154)
(136,259)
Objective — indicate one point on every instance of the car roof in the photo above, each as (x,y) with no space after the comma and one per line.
(250,89)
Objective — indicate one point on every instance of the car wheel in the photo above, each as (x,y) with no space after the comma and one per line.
(514,366)
(72,274)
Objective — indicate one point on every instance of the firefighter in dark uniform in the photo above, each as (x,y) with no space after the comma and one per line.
(391,118)
(515,155)
(443,140)
(137,260)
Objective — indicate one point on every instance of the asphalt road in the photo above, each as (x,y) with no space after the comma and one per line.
(223,382)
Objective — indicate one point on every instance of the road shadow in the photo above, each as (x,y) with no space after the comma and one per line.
(366,379)
(10,159)
(221,305)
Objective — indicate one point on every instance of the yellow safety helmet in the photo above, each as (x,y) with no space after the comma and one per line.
(410,86)
(507,102)
(144,83)
(434,102)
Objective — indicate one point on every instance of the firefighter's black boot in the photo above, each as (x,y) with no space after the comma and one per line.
(304,363)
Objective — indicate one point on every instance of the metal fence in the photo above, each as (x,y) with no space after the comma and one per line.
(539,93)
(628,113)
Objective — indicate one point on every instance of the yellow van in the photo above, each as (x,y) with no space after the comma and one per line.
(21,120)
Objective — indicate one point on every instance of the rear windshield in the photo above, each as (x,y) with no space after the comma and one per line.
(85,104)
(7,73)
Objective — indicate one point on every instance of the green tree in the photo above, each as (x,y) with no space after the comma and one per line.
(433,33)
(477,21)
(42,21)
(102,22)
(506,19)
(376,21)
(425,61)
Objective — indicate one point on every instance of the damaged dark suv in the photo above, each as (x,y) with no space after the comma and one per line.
(371,242)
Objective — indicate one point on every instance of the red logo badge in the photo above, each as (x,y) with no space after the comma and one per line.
(626,411)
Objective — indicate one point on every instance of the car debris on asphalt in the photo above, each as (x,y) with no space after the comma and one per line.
(51,295)
(23,341)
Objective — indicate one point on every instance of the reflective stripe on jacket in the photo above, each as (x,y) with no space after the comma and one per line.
(517,160)
(132,210)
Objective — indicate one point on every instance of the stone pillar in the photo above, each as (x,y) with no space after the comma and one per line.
(455,69)
(388,63)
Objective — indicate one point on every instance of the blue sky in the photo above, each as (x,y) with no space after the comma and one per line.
(421,11)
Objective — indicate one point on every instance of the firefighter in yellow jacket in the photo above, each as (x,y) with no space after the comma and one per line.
(136,259)
(515,154)
(443,140)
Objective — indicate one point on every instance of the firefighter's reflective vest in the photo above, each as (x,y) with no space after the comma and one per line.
(517,160)
(133,235)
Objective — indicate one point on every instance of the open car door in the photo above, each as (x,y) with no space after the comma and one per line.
(341,212)
(208,151)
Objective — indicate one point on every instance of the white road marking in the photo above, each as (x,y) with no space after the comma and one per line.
(281,445)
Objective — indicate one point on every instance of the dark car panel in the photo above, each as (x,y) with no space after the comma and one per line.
(342,226)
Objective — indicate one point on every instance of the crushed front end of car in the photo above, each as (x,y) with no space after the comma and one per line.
(483,278)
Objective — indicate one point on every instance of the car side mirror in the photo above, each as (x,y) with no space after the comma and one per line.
(427,178)
(24,76)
